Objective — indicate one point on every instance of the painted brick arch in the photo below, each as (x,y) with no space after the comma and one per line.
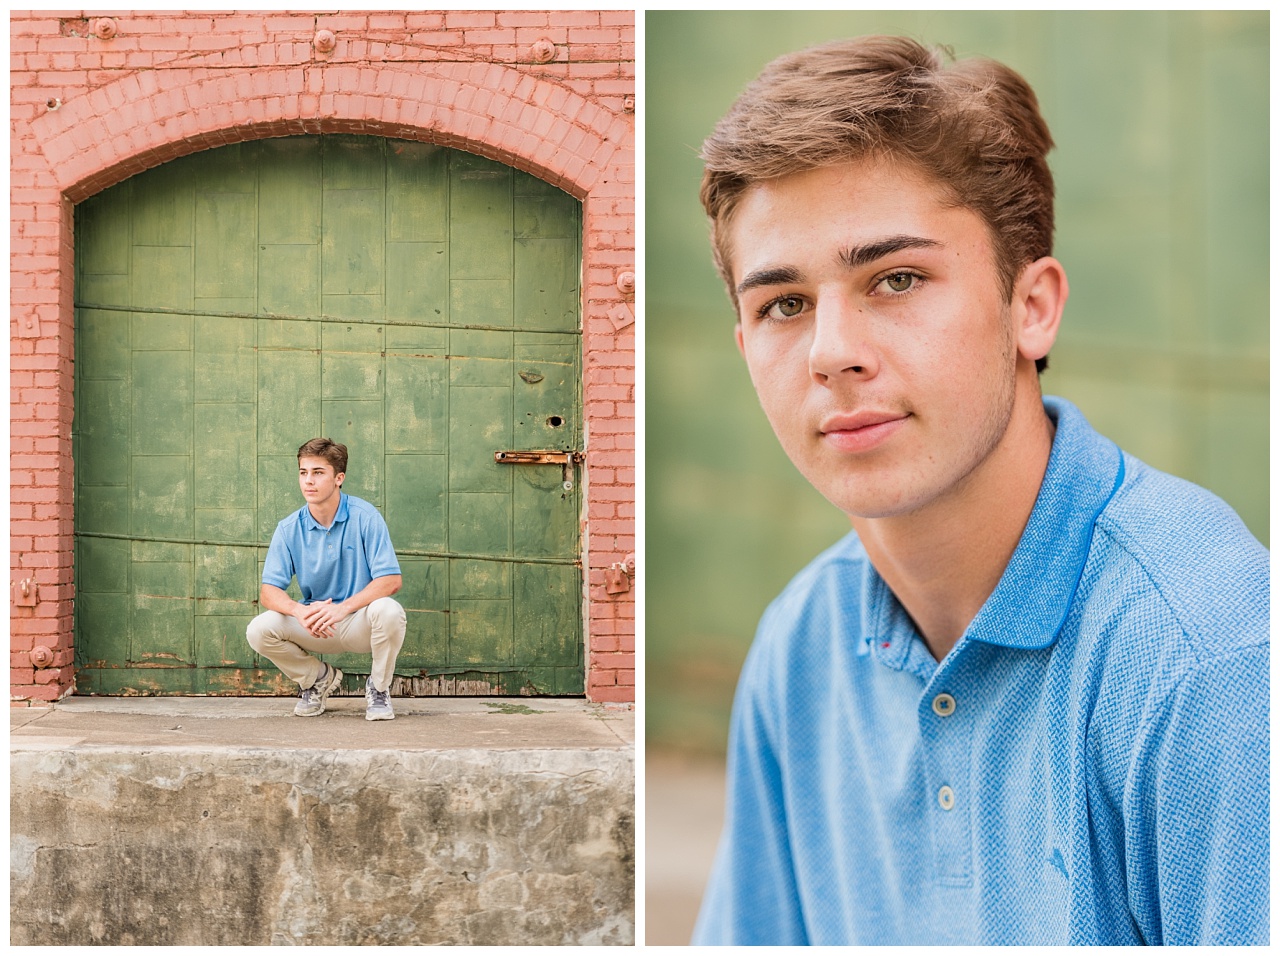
(140,120)
(87,113)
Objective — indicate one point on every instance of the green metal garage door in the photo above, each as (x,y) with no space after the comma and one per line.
(416,303)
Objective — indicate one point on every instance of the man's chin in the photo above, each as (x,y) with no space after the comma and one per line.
(872,513)
(868,503)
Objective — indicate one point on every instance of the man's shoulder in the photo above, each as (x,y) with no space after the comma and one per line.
(358,506)
(363,515)
(839,566)
(290,522)
(366,521)
(799,630)
(1188,550)
(1169,646)
(819,599)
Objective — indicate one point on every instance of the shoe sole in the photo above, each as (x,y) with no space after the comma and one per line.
(369,716)
(334,683)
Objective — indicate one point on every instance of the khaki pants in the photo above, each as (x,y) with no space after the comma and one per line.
(377,629)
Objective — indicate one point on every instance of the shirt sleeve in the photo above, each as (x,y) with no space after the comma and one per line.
(377,546)
(1199,834)
(751,897)
(278,569)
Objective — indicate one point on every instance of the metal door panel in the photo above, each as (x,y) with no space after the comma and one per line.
(403,298)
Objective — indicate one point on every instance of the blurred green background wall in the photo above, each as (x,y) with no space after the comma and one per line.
(1161,121)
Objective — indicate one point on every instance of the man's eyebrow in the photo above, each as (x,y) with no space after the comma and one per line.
(781,276)
(860,255)
(853,257)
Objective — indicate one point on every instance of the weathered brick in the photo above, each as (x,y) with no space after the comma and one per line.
(491,36)
(461,19)
(576,18)
(44,692)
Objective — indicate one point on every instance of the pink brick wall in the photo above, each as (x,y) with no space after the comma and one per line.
(87,112)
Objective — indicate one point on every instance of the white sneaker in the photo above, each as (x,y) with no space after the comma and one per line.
(378,703)
(313,697)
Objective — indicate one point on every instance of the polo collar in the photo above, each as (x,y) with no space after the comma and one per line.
(888,632)
(310,523)
(1031,601)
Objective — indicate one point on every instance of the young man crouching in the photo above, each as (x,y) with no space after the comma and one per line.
(339,549)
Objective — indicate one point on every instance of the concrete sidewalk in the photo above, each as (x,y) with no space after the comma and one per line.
(422,723)
(190,821)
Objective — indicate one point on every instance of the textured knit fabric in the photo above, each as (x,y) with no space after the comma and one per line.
(334,562)
(1089,764)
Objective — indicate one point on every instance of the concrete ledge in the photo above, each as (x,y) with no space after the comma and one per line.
(216,822)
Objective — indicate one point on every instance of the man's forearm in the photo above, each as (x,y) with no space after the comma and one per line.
(384,586)
(276,599)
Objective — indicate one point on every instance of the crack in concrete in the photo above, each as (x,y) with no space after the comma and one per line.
(40,714)
(559,774)
(45,847)
(600,714)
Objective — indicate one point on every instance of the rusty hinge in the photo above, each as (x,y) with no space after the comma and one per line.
(565,459)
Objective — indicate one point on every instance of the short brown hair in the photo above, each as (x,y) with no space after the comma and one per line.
(974,126)
(330,451)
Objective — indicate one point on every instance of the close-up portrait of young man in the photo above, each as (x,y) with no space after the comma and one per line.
(1025,699)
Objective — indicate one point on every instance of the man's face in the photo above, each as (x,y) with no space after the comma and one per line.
(876,331)
(319,483)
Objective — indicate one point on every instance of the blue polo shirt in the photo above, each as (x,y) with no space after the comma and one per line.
(334,562)
(1089,764)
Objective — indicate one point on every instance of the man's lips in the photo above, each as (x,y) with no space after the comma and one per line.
(861,431)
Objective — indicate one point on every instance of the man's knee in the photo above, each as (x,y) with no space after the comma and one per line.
(387,612)
(263,628)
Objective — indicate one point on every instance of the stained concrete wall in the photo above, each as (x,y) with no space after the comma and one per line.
(173,846)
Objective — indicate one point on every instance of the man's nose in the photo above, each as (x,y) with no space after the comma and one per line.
(842,342)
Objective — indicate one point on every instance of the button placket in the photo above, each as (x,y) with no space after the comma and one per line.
(947,738)
(944,705)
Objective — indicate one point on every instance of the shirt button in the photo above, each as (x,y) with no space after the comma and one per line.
(946,798)
(944,705)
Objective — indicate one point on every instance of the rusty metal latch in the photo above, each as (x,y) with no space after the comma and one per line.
(565,459)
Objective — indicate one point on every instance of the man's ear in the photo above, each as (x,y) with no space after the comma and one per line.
(1039,296)
(737,337)
(339,477)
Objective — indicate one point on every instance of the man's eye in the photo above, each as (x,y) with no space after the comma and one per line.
(786,307)
(900,281)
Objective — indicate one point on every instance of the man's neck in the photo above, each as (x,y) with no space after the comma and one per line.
(943,562)
(324,515)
